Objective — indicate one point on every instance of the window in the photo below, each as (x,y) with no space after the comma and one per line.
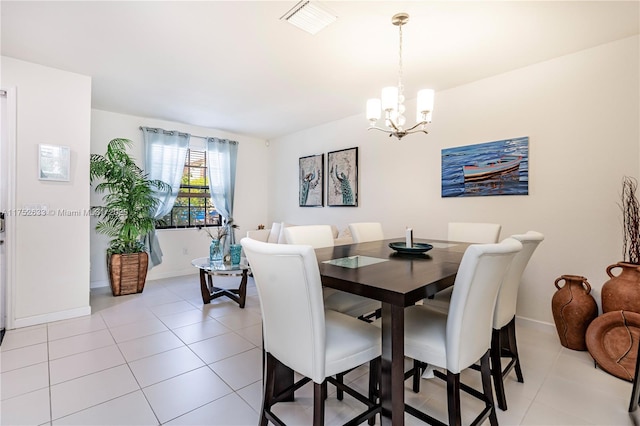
(193,205)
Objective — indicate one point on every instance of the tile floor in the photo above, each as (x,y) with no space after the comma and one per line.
(162,357)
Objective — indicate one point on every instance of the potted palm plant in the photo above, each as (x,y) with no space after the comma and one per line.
(126,215)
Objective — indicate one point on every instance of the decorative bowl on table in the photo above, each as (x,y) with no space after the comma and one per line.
(417,248)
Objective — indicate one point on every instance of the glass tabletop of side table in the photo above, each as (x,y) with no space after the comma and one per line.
(210,269)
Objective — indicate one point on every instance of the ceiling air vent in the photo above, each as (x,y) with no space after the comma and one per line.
(310,16)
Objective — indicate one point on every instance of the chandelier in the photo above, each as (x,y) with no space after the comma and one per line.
(392,100)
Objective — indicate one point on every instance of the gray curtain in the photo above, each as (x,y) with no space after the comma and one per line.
(222,156)
(165,153)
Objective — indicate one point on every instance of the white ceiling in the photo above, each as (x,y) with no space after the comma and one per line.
(233,65)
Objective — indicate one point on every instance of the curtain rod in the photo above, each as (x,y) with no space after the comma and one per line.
(152,129)
(155,129)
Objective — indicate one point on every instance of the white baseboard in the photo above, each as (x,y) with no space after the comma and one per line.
(98,284)
(53,316)
(170,274)
(152,276)
(544,326)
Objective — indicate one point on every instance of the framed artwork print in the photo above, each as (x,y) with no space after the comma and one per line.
(54,162)
(311,176)
(491,168)
(342,184)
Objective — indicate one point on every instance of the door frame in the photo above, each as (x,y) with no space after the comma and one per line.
(9,171)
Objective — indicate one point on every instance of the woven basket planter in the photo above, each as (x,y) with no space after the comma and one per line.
(127,272)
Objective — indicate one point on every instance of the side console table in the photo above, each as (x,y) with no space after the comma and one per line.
(209,269)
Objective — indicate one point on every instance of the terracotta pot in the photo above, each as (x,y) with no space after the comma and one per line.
(573,310)
(622,292)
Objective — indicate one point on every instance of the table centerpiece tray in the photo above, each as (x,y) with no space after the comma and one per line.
(416,248)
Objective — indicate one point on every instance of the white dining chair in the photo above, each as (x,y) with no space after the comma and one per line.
(458,339)
(319,236)
(503,342)
(362,232)
(503,339)
(299,333)
(470,232)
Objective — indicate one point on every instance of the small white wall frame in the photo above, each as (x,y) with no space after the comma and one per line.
(54,162)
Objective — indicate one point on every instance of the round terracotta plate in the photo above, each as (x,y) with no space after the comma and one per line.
(612,340)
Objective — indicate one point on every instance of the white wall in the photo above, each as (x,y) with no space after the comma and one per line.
(180,246)
(51,278)
(581,114)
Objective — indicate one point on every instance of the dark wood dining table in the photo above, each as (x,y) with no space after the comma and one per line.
(397,280)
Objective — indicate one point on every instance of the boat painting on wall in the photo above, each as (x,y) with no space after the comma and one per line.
(491,168)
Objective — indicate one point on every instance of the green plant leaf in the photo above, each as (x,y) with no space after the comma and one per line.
(129,200)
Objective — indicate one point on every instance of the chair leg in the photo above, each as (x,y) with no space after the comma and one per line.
(374,380)
(269,388)
(416,375)
(318,403)
(340,392)
(503,343)
(372,316)
(496,368)
(513,347)
(486,388)
(453,399)
(635,390)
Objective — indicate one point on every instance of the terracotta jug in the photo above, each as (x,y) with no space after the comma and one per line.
(573,310)
(622,292)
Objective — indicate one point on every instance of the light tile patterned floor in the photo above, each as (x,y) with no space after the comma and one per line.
(162,357)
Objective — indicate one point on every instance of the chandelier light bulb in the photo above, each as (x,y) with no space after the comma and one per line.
(428,117)
(390,98)
(425,100)
(373,110)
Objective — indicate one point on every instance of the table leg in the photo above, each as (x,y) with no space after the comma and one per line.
(392,380)
(206,294)
(210,292)
(242,290)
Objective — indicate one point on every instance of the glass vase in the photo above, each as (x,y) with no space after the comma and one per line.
(215,251)
(235,250)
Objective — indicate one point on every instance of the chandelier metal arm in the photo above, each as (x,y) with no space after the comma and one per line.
(422,123)
(400,133)
(392,125)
